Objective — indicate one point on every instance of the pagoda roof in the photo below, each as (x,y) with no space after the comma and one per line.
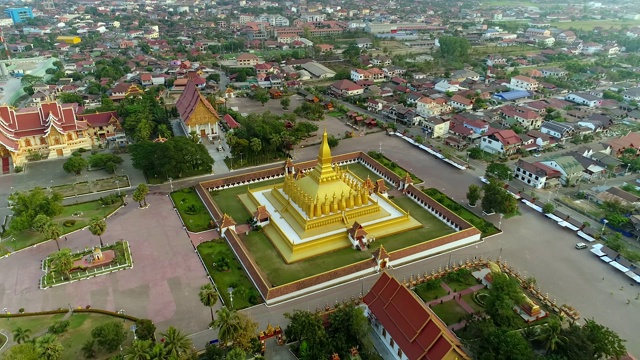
(189,100)
(380,253)
(261,212)
(227,221)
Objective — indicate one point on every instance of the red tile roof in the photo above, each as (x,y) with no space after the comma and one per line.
(410,323)
(231,122)
(99,119)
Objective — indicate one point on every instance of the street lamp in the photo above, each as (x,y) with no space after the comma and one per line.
(171,184)
(500,223)
(118,186)
(604,223)
(230,290)
(240,159)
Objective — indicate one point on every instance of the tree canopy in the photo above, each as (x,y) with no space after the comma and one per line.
(497,199)
(27,205)
(109,336)
(177,157)
(452,47)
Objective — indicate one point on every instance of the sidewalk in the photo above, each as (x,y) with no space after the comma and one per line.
(454,295)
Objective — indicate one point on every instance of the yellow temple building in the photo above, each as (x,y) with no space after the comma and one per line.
(312,212)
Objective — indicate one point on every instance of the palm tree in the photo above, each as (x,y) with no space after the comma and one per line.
(175,342)
(89,349)
(144,190)
(158,352)
(139,350)
(62,261)
(53,231)
(98,226)
(551,335)
(228,325)
(208,297)
(49,347)
(21,335)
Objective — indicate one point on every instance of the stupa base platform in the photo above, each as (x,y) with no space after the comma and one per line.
(333,237)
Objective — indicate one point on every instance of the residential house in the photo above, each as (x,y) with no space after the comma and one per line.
(364,43)
(524,117)
(530,32)
(534,174)
(405,324)
(446,86)
(584,98)
(461,103)
(560,131)
(504,142)
(462,75)
(632,94)
(345,88)
(553,72)
(493,60)
(246,60)
(374,105)
(569,167)
(629,141)
(436,126)
(566,36)
(591,48)
(521,82)
(146,79)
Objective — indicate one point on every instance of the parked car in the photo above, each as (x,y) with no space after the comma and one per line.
(581,246)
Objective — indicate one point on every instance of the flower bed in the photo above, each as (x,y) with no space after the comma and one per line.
(121,261)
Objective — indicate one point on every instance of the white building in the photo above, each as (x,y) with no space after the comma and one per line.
(584,99)
(521,82)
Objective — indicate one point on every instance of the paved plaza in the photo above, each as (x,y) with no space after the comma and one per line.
(163,284)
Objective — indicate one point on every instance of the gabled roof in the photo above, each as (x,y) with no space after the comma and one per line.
(410,323)
(188,101)
(357,231)
(99,119)
(227,221)
(231,122)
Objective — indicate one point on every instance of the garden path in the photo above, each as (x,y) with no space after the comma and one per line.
(457,296)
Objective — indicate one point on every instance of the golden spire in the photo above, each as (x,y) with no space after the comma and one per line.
(324,153)
(324,170)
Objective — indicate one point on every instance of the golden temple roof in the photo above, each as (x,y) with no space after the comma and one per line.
(323,181)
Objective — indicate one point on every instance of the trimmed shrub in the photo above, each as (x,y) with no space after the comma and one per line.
(59,327)
(68,223)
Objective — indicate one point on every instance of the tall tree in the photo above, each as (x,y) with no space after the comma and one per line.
(306,328)
(49,347)
(504,294)
(62,261)
(53,231)
(40,223)
(499,171)
(474,194)
(246,337)
(158,352)
(89,349)
(21,335)
(144,191)
(75,164)
(98,226)
(109,336)
(228,325)
(175,342)
(236,354)
(285,102)
(137,196)
(452,47)
(551,335)
(209,297)
(348,328)
(139,350)
(606,343)
(26,206)
(145,329)
(261,95)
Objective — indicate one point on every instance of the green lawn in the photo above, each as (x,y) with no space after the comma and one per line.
(85,211)
(469,300)
(79,331)
(481,224)
(270,261)
(193,212)
(393,166)
(212,252)
(3,340)
(429,291)
(228,202)
(461,284)
(449,312)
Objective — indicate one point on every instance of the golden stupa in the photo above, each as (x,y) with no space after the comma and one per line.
(311,212)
